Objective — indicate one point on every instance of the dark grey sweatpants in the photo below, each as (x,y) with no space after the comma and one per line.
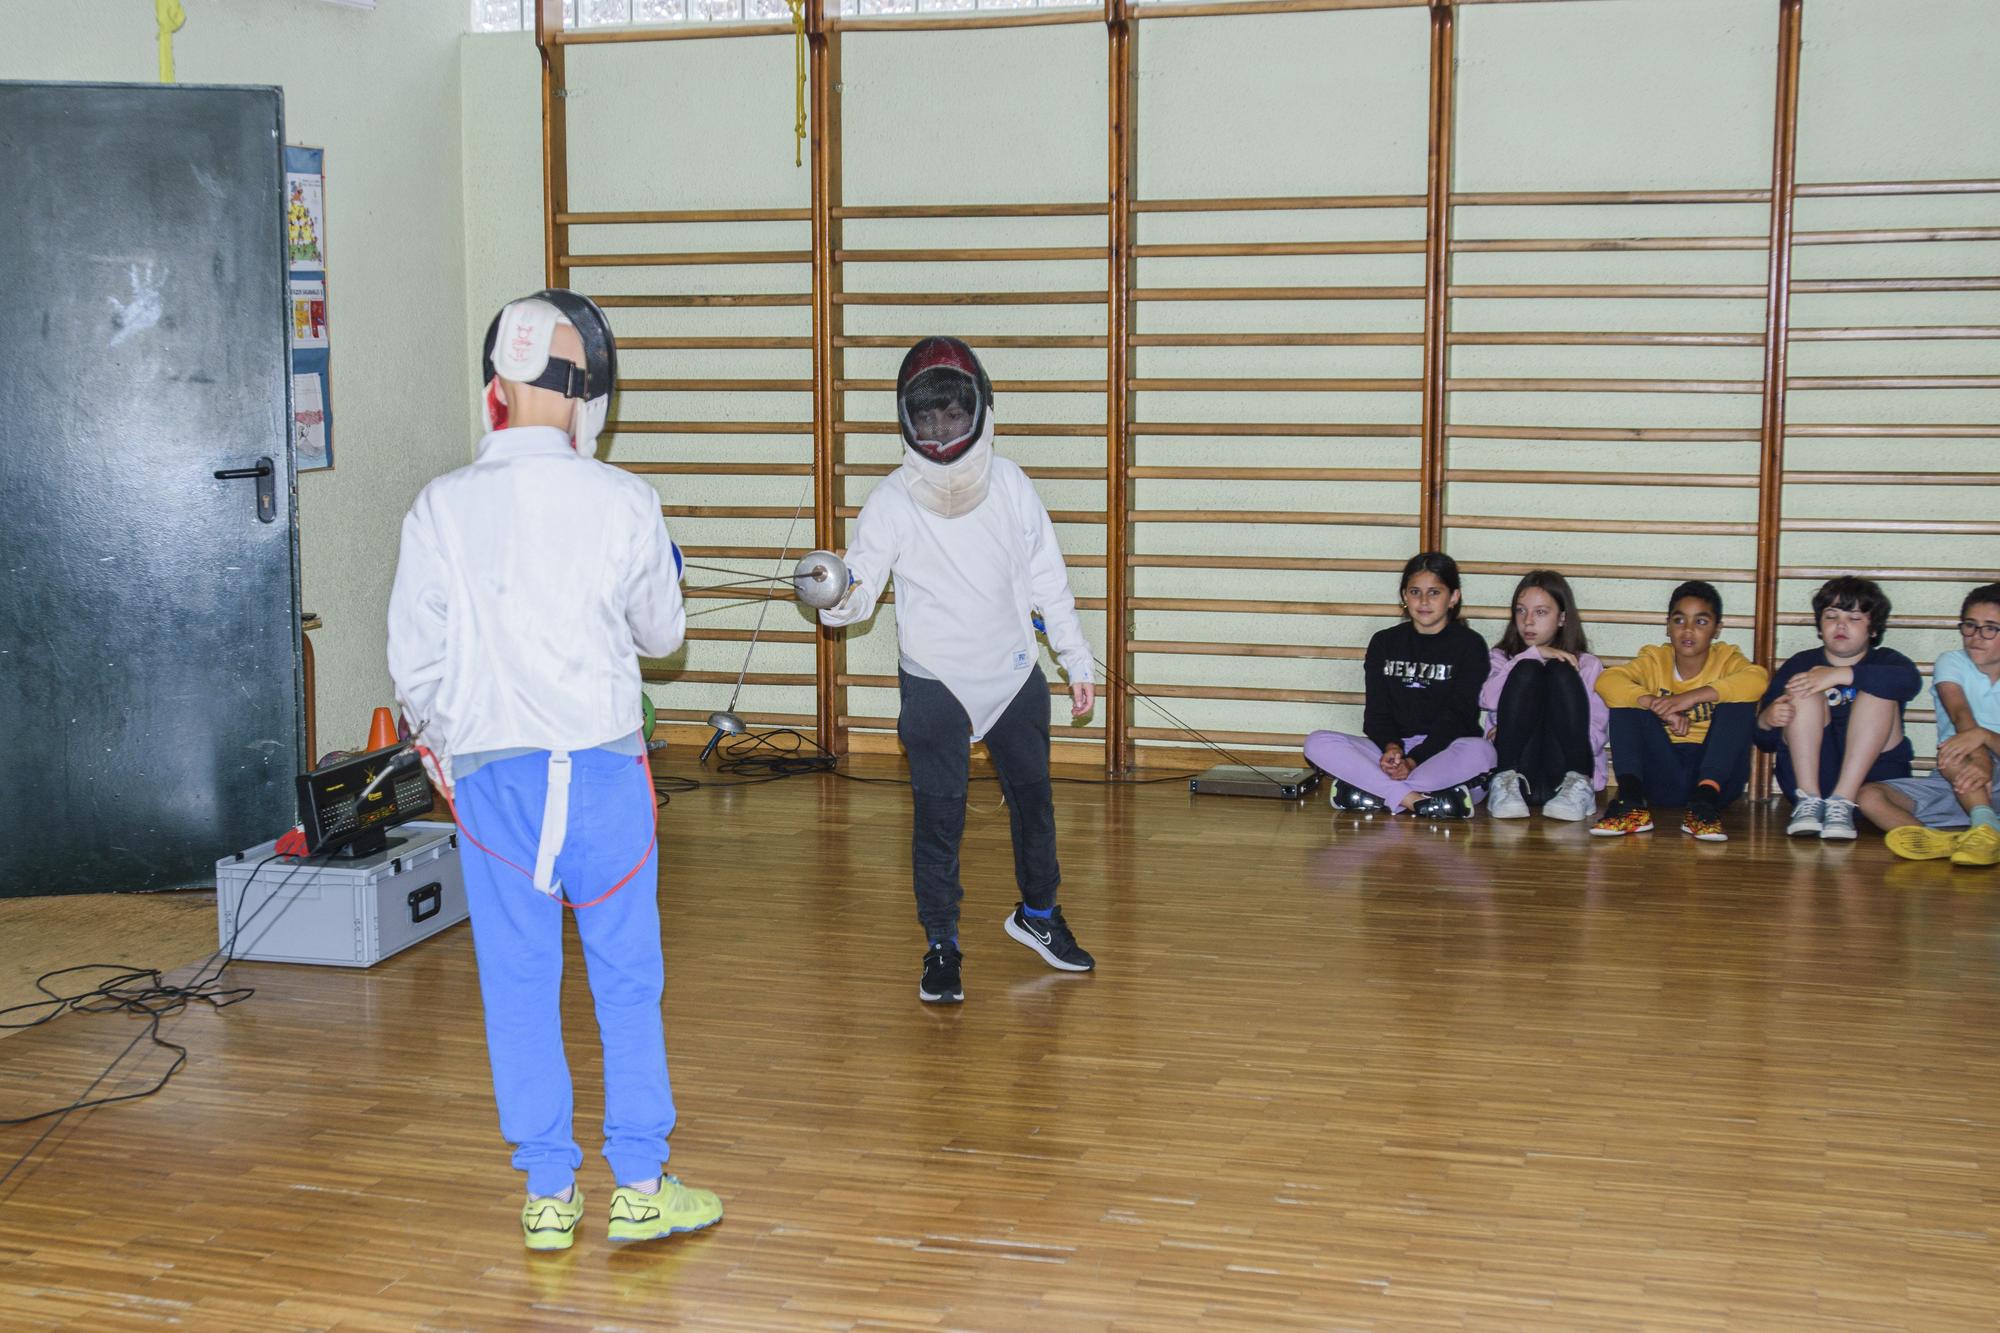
(937,735)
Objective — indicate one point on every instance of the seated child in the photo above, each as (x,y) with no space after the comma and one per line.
(1681,716)
(1834,714)
(1548,725)
(1921,814)
(1421,749)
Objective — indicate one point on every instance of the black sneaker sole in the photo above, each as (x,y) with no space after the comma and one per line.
(956,997)
(1028,939)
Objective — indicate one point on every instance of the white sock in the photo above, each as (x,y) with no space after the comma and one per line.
(646,1187)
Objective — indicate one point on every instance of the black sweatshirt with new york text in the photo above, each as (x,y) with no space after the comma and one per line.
(1423,685)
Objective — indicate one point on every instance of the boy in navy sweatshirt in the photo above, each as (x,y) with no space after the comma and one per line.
(1834,714)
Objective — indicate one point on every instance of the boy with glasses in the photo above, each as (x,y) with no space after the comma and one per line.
(1923,816)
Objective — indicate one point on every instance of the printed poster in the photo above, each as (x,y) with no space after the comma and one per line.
(305,250)
(309,423)
(305,219)
(308,313)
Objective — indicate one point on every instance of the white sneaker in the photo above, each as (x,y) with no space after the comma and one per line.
(1809,818)
(1573,800)
(1508,796)
(1837,825)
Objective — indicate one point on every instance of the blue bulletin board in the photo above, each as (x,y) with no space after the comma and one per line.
(305,249)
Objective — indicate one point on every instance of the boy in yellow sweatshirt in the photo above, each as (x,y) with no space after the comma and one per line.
(1682,714)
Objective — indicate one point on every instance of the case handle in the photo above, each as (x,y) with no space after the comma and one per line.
(426,902)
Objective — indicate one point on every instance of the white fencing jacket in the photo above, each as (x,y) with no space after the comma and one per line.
(966,588)
(530,583)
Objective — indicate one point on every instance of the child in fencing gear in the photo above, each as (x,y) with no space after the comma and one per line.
(528,586)
(974,556)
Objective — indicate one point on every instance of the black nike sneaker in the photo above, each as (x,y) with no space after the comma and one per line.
(940,984)
(1049,936)
(1347,796)
(1451,803)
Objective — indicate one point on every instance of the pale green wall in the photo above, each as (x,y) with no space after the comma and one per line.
(380,92)
(434,179)
(434,167)
(501,188)
(705,125)
(1307,104)
(1620,94)
(1897,91)
(968,118)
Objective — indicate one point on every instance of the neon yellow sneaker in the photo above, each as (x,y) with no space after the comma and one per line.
(548,1223)
(1914,842)
(639,1216)
(1977,846)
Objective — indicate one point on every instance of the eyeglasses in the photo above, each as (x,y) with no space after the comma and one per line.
(1969,628)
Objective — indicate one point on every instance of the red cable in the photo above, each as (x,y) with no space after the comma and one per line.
(644,759)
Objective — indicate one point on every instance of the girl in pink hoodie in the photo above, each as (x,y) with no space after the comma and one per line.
(1546,721)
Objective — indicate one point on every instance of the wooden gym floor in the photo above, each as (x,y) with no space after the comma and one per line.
(1330,1074)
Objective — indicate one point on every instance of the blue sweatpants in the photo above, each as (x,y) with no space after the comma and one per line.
(517,934)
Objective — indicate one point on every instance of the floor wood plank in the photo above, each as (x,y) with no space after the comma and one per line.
(1332,1073)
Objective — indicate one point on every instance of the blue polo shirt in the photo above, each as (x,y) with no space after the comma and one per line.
(1981,694)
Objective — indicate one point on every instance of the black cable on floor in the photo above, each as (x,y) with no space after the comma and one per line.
(771,756)
(142,991)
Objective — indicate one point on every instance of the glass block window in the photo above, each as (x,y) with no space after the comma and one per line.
(519,15)
(496,15)
(892,8)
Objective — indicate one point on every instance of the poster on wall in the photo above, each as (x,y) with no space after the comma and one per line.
(308,313)
(305,248)
(305,212)
(308,422)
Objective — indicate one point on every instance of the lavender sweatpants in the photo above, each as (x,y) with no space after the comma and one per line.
(1357,761)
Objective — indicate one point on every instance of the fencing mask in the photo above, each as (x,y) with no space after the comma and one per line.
(517,348)
(944,406)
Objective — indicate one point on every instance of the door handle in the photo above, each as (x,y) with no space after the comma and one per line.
(266,476)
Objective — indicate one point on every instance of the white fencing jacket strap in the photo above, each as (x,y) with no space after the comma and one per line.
(555,824)
(966,588)
(529,584)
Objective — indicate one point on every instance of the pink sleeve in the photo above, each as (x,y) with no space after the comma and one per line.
(1600,712)
(1496,680)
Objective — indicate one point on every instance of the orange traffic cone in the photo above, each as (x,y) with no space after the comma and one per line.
(382,731)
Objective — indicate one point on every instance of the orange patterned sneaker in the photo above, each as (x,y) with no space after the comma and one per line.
(1703,823)
(1621,819)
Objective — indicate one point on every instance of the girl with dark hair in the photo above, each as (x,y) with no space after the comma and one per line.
(1548,725)
(1834,714)
(1420,749)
